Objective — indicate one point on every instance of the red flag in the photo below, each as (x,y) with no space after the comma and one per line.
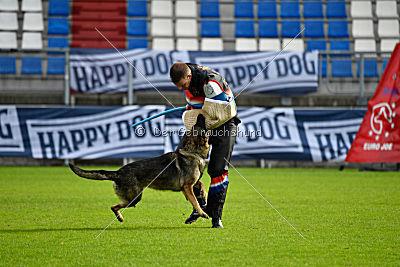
(378,139)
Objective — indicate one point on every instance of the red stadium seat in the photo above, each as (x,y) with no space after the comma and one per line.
(98,16)
(97,44)
(94,35)
(113,7)
(108,17)
(101,25)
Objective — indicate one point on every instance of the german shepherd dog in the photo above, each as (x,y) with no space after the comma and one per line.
(176,171)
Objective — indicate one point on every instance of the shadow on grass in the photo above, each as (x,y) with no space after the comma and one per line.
(98,229)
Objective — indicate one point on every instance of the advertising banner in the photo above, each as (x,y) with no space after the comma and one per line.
(108,72)
(86,133)
(106,132)
(288,73)
(286,133)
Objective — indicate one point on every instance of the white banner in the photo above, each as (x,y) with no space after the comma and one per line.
(262,131)
(267,131)
(286,73)
(107,132)
(97,136)
(331,140)
(108,73)
(292,72)
(10,130)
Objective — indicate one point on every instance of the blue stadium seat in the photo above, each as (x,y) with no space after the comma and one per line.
(244,9)
(314,28)
(341,68)
(370,68)
(58,26)
(137,43)
(31,65)
(384,63)
(340,45)
(336,9)
(319,45)
(290,9)
(312,9)
(137,27)
(244,28)
(290,28)
(57,42)
(58,8)
(338,28)
(8,65)
(210,28)
(55,65)
(267,28)
(267,9)
(209,9)
(137,8)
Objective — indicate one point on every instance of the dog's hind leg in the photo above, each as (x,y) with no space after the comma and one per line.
(189,194)
(135,195)
(136,199)
(116,209)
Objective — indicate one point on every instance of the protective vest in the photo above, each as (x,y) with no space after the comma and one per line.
(209,92)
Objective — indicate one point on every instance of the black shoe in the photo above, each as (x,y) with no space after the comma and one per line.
(216,223)
(193,217)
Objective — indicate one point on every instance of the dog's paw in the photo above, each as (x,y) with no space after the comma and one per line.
(204,215)
(118,215)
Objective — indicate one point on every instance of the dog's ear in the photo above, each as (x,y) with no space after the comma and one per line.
(201,121)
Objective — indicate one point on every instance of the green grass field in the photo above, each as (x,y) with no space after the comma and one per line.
(49,216)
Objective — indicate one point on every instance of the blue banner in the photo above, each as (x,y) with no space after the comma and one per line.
(106,132)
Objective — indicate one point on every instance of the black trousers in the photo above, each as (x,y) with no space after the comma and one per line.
(222,140)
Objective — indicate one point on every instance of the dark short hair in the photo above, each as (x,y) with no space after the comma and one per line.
(178,71)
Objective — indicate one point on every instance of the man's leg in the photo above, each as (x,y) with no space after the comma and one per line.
(222,140)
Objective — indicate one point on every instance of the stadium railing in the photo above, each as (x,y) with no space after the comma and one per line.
(359,70)
(36,65)
(356,72)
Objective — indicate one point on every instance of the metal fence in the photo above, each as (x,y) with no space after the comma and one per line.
(326,79)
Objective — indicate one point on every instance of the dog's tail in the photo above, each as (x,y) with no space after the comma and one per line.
(94,175)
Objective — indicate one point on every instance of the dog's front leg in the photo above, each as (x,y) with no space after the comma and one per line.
(203,191)
(189,194)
